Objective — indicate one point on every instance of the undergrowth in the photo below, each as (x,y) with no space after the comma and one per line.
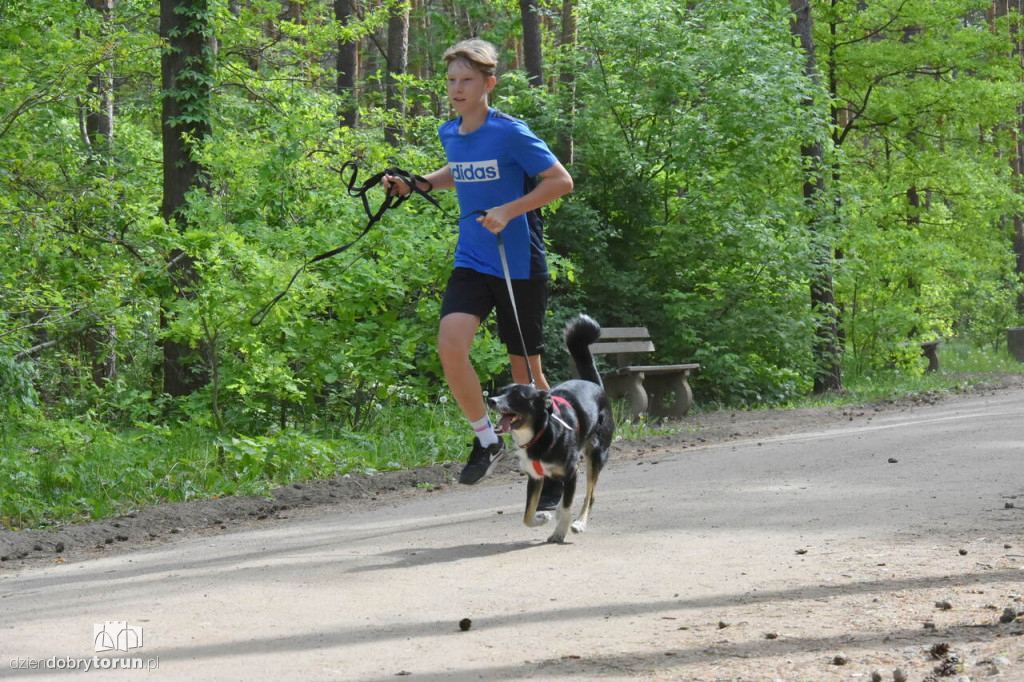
(55,471)
(961,367)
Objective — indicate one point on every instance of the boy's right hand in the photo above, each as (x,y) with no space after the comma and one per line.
(395,186)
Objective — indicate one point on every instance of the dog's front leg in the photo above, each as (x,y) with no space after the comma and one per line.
(595,460)
(532,517)
(565,508)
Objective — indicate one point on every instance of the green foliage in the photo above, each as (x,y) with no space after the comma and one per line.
(924,196)
(963,366)
(58,471)
(688,217)
(17,394)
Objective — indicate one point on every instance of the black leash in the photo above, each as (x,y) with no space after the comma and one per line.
(393,201)
(515,313)
(390,201)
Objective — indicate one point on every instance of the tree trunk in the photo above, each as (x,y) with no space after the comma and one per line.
(98,343)
(186,69)
(999,10)
(99,118)
(347,66)
(1018,162)
(1014,343)
(827,351)
(567,80)
(97,123)
(532,56)
(291,11)
(398,60)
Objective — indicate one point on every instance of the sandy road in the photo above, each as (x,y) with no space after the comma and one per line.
(753,560)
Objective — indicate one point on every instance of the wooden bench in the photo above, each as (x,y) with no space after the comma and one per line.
(648,387)
(930,350)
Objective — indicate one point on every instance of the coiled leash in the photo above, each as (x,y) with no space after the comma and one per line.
(390,201)
(393,201)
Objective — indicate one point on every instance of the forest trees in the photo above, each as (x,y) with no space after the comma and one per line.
(718,190)
(918,113)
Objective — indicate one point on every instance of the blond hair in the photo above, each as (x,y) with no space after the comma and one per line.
(479,54)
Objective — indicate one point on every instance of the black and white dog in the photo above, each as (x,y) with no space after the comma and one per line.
(554,429)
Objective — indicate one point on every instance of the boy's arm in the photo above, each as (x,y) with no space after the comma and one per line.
(554,182)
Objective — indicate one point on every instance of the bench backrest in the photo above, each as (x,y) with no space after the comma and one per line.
(621,341)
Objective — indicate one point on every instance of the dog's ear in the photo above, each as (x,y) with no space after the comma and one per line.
(545,397)
(505,390)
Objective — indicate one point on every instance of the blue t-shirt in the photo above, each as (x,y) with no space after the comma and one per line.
(492,165)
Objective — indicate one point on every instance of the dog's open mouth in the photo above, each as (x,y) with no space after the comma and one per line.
(509,421)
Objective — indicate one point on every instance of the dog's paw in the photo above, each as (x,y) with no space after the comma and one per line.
(557,538)
(579,526)
(539,519)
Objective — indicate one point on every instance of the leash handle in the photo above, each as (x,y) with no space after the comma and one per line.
(412,181)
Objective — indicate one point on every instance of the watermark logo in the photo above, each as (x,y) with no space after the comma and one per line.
(116,636)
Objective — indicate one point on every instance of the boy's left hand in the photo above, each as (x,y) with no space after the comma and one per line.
(495,219)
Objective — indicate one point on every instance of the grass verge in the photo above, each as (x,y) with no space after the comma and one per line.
(59,471)
(55,471)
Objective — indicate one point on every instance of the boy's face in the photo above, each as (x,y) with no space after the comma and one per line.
(467,87)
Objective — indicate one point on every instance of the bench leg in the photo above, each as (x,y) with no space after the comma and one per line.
(932,353)
(661,387)
(630,386)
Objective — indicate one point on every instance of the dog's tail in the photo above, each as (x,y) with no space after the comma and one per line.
(579,334)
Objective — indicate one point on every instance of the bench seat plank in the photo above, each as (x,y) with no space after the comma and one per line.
(610,347)
(652,369)
(625,333)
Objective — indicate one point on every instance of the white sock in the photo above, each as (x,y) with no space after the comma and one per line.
(484,431)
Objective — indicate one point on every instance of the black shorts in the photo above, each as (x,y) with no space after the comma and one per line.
(478,294)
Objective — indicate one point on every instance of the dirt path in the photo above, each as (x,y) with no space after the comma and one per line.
(153,526)
(808,545)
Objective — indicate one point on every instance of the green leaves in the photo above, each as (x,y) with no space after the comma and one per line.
(688,216)
(688,161)
(925,92)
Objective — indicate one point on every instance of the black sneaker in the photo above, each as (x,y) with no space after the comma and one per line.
(481,461)
(550,495)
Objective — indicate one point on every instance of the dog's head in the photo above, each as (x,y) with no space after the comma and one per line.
(523,410)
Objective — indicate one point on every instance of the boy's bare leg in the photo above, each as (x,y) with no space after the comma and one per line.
(454,340)
(520,375)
